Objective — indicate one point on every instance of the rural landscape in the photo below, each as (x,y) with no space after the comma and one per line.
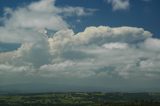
(81,99)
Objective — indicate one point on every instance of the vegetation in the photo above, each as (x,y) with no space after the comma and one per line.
(81,99)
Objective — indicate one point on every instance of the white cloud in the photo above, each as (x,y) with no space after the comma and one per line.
(37,18)
(68,69)
(25,23)
(103,34)
(98,53)
(79,11)
(19,35)
(117,51)
(119,4)
(43,6)
(100,56)
(115,46)
(152,44)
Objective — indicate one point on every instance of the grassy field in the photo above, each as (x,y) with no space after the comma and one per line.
(81,99)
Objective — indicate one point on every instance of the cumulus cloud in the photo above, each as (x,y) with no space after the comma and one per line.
(25,23)
(152,44)
(93,51)
(119,4)
(105,55)
(97,53)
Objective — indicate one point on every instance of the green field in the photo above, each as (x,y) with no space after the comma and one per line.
(81,99)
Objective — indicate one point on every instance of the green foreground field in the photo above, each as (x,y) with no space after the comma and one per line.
(81,99)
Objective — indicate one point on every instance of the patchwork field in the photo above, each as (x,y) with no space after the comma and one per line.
(81,99)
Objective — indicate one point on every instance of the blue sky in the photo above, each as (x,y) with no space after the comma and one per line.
(141,13)
(85,45)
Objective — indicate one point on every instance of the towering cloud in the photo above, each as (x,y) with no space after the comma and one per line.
(106,55)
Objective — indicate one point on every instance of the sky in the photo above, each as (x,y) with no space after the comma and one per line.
(79,45)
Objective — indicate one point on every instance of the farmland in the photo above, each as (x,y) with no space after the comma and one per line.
(81,99)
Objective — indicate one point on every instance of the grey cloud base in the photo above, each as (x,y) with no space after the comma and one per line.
(99,58)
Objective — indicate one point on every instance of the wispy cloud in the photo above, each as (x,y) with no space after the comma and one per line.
(119,4)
